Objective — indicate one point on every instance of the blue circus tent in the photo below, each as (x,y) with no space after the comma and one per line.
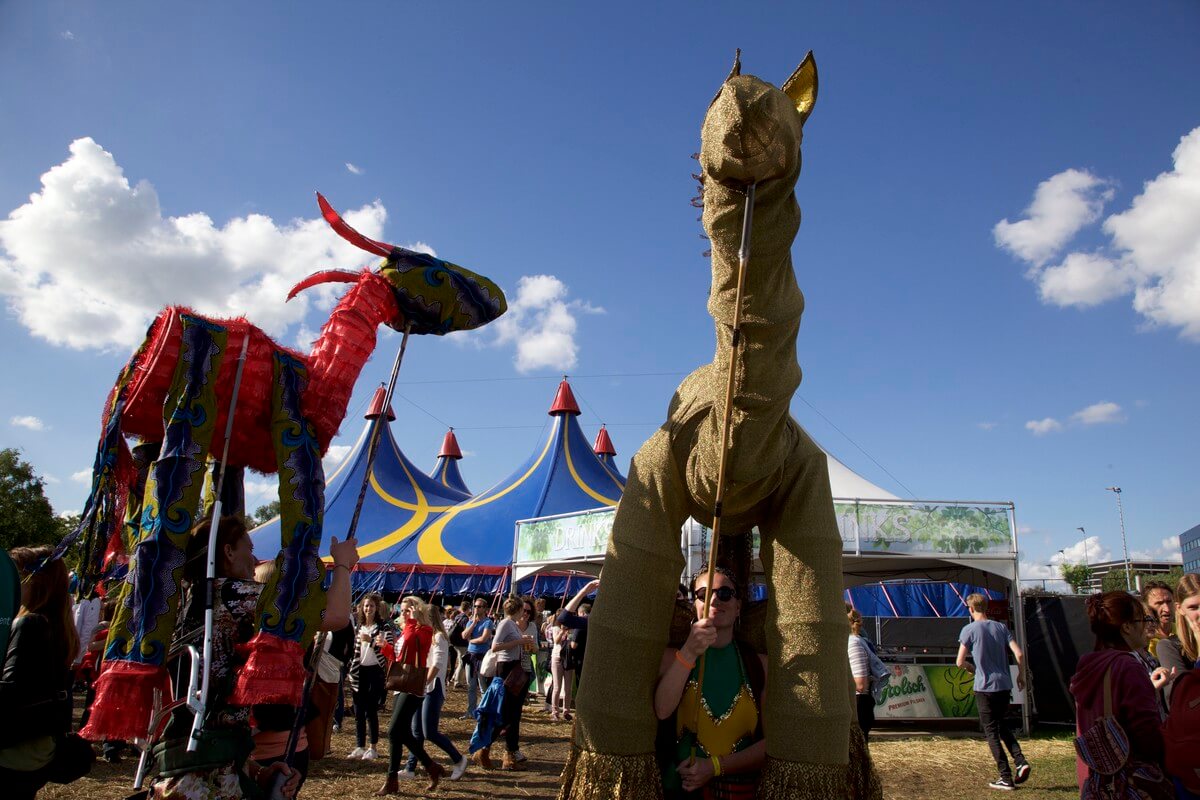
(446,471)
(915,598)
(604,450)
(400,497)
(563,475)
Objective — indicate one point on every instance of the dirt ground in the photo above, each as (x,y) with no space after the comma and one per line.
(912,768)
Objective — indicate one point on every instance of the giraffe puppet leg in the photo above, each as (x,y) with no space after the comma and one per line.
(613,751)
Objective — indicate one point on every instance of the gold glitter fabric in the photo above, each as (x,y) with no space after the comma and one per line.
(777,479)
(594,776)
(863,780)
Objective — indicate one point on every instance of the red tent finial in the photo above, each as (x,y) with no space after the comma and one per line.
(450,446)
(376,408)
(603,445)
(564,401)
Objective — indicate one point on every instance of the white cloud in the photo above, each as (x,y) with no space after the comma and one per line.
(83,476)
(90,259)
(48,478)
(70,37)
(541,324)
(1062,205)
(1153,250)
(28,422)
(1084,280)
(986,426)
(1099,414)
(1085,550)
(259,493)
(1167,550)
(353,169)
(334,457)
(1040,427)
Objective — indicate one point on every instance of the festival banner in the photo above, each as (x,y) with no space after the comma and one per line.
(929,528)
(932,691)
(564,538)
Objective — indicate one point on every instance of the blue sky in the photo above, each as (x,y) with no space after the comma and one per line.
(168,154)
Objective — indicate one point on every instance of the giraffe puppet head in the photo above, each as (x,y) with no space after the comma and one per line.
(752,131)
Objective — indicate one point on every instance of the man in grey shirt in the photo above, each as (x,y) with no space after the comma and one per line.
(985,641)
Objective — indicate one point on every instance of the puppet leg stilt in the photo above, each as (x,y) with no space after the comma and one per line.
(807,668)
(613,752)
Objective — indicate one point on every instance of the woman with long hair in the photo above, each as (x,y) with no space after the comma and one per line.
(1181,651)
(512,646)
(426,725)
(1119,622)
(718,743)
(562,672)
(412,647)
(34,701)
(367,671)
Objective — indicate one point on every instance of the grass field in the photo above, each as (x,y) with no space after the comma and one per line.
(924,768)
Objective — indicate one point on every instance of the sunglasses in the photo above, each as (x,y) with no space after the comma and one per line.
(724,593)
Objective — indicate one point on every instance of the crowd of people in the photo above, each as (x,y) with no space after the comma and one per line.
(511,656)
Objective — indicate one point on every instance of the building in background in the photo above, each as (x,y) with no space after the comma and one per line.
(1189,544)
(1102,568)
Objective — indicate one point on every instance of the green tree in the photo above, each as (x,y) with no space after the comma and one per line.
(26,517)
(1076,576)
(1115,580)
(265,513)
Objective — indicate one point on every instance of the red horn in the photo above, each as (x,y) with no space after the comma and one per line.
(349,234)
(325,276)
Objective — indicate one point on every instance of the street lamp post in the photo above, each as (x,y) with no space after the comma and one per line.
(1085,555)
(1124,543)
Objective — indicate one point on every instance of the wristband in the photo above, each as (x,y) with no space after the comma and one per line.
(343,566)
(684,661)
(716,762)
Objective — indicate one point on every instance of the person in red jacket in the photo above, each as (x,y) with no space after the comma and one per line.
(1119,622)
(416,637)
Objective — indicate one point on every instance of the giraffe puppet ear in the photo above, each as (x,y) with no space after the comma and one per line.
(737,64)
(802,87)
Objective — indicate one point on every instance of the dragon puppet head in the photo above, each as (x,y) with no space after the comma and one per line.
(432,295)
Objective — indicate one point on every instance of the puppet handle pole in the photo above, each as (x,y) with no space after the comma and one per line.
(373,446)
(210,573)
(730,379)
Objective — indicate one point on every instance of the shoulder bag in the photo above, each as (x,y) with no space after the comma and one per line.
(403,676)
(1112,774)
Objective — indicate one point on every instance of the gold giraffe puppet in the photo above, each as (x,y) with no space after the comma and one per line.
(777,479)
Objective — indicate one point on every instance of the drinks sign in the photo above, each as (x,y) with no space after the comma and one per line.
(930,691)
(564,538)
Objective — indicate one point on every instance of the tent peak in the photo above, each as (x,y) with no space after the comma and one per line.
(603,445)
(375,410)
(450,446)
(564,401)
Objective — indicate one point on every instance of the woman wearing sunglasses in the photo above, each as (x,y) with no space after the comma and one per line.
(718,748)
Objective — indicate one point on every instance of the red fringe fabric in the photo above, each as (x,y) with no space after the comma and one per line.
(274,672)
(124,700)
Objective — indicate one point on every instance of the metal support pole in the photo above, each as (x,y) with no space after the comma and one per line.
(1019,624)
(1124,542)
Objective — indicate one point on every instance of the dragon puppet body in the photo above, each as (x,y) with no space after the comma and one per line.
(176,394)
(777,479)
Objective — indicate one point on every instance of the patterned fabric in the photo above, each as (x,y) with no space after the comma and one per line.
(218,784)
(293,600)
(141,632)
(150,597)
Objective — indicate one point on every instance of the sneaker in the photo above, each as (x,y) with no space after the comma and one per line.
(407,774)
(459,768)
(1003,784)
(356,753)
(370,754)
(518,756)
(1023,771)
